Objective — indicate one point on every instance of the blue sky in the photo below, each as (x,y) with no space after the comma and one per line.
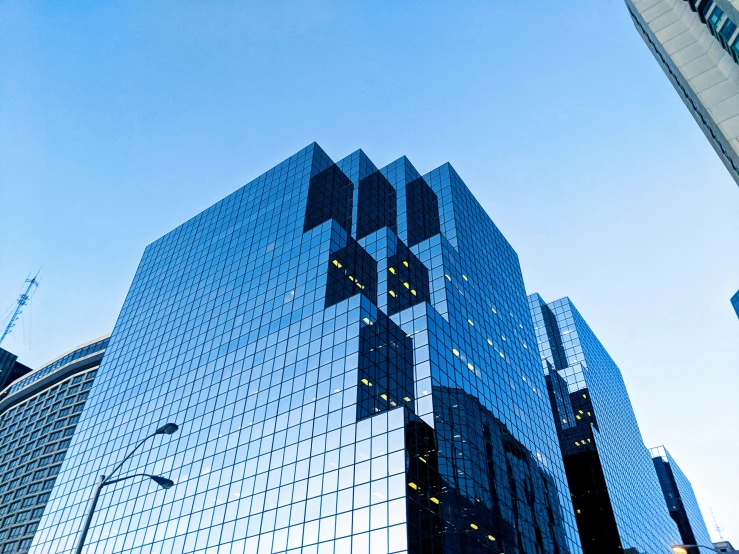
(121,121)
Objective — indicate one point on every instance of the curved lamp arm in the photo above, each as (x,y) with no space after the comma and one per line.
(167,429)
(683,548)
(159,480)
(103,480)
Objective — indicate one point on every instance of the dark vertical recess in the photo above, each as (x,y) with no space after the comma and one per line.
(330,196)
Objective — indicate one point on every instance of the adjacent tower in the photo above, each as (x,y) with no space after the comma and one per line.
(39,411)
(696,44)
(617,498)
(680,499)
(349,354)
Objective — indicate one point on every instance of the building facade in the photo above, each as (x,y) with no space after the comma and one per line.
(723,546)
(615,491)
(38,415)
(695,43)
(10,368)
(349,354)
(680,499)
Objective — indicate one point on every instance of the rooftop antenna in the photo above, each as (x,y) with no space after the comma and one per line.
(30,287)
(719,529)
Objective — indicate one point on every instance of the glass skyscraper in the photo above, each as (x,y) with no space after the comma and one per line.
(349,354)
(680,499)
(617,497)
(38,415)
(696,42)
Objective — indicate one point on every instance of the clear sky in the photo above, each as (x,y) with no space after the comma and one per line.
(119,121)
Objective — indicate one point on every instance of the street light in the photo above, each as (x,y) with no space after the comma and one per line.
(683,548)
(104,481)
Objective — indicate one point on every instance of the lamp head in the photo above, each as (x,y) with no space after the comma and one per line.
(162,482)
(679,550)
(167,429)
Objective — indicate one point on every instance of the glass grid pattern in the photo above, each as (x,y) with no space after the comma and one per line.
(680,499)
(89,350)
(603,437)
(35,435)
(319,425)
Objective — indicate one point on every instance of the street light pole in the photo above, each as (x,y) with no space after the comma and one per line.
(683,548)
(168,429)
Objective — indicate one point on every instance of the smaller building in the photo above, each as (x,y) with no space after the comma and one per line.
(724,546)
(39,411)
(615,493)
(680,499)
(10,368)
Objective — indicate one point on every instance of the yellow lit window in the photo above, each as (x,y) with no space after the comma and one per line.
(405,263)
(413,292)
(490,342)
(413,486)
(383,396)
(464,277)
(392,270)
(422,459)
(470,366)
(470,322)
(406,285)
(366,320)
(407,399)
(392,294)
(455,351)
(447,276)
(434,500)
(475,527)
(365,381)
(578,417)
(491,538)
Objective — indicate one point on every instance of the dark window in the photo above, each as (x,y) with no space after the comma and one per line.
(330,196)
(385,367)
(422,207)
(407,280)
(351,270)
(377,205)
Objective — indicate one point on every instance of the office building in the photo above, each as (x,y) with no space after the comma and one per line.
(723,546)
(38,414)
(617,498)
(10,368)
(680,499)
(695,43)
(349,354)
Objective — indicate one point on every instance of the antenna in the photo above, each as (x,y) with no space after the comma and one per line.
(25,296)
(719,529)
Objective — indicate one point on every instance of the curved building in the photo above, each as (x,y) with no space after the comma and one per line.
(38,415)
